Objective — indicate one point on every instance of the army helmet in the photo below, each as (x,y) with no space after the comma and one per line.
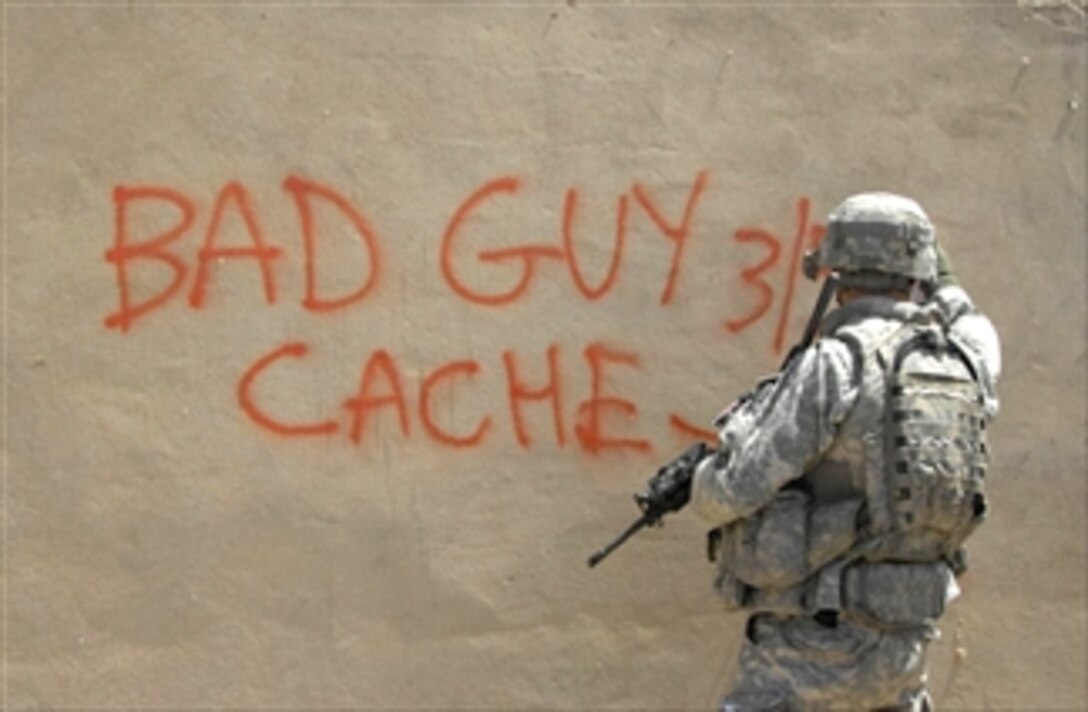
(878,241)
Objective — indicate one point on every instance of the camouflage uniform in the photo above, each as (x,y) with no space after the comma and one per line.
(842,605)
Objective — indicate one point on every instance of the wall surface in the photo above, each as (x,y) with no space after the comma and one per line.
(336,336)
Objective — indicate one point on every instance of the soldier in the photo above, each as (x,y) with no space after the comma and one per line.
(844,487)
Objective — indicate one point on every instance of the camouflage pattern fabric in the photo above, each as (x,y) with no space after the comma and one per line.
(795,663)
(880,233)
(773,438)
(818,412)
(821,422)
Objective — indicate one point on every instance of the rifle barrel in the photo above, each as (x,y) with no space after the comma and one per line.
(615,543)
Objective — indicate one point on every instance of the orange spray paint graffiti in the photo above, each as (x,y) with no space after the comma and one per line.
(602,421)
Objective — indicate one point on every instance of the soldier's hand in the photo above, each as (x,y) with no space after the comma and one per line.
(945,275)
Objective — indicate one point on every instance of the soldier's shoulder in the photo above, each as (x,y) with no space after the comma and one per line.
(864,334)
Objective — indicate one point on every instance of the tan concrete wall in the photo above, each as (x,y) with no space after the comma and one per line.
(316,475)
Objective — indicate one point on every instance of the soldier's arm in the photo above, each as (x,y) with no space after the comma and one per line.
(794,428)
(970,324)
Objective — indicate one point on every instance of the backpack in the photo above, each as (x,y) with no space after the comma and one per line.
(930,493)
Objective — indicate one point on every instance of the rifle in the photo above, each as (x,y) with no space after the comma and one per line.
(669,490)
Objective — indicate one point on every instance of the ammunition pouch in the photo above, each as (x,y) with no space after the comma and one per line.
(773,544)
(895,594)
(880,594)
(780,546)
(793,558)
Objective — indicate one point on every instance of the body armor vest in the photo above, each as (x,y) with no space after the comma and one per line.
(887,508)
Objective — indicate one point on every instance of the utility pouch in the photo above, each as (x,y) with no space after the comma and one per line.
(897,593)
(832,530)
(790,538)
(772,551)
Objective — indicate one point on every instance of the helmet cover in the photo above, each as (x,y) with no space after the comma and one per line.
(879,240)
